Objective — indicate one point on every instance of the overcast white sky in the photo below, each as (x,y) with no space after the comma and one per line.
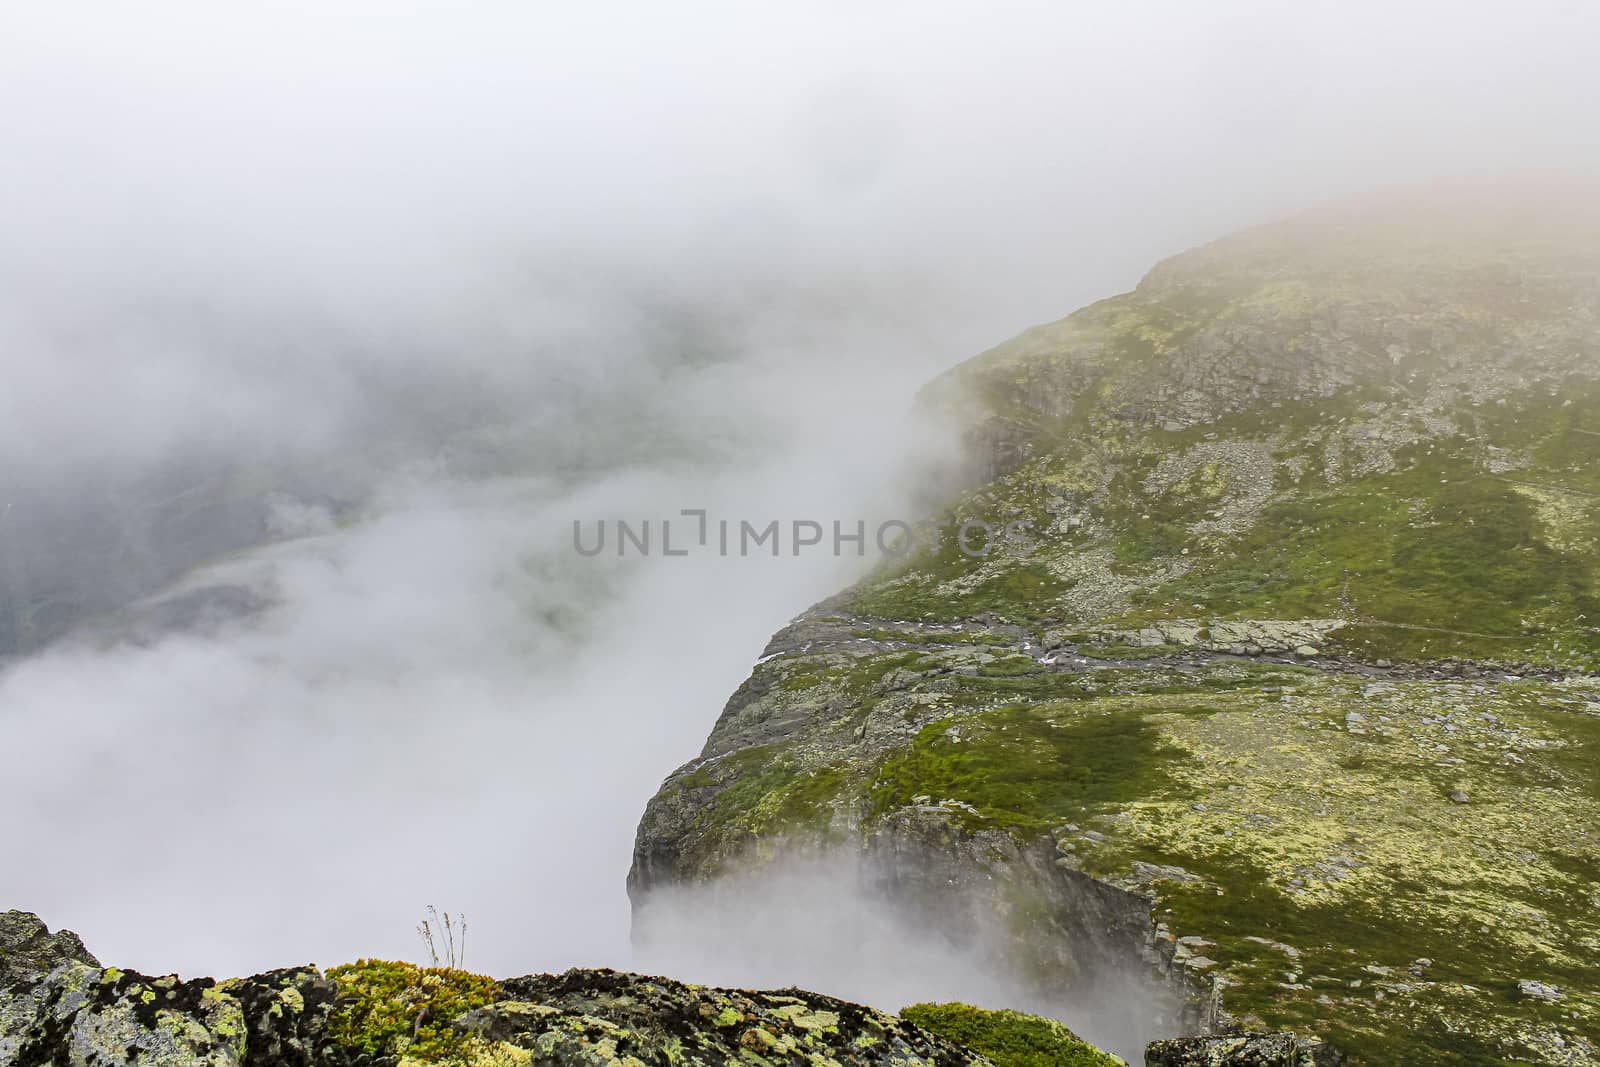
(963,170)
(232,230)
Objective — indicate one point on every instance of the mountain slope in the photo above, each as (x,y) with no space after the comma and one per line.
(1280,686)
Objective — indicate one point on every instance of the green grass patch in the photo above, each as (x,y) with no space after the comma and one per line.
(1008,1038)
(1412,919)
(1029,767)
(1017,594)
(1462,556)
(950,637)
(1010,667)
(769,792)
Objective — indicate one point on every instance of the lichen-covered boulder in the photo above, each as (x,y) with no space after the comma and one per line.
(377,1013)
(386,1014)
(81,1015)
(29,950)
(601,1018)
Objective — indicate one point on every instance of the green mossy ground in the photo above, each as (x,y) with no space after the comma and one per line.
(1451,550)
(956,637)
(1008,1038)
(764,794)
(1027,767)
(1307,808)
(1464,557)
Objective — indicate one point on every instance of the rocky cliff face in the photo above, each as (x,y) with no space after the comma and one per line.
(1282,684)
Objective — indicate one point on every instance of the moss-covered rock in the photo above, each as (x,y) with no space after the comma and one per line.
(1008,1038)
(605,1017)
(376,1013)
(387,1008)
(87,1016)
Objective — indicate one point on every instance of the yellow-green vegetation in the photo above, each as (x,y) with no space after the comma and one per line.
(387,1008)
(941,637)
(1008,1038)
(1339,837)
(1320,832)
(1026,766)
(1482,542)
(763,797)
(767,791)
(1363,827)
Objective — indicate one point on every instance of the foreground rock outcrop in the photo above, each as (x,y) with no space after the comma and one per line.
(1280,684)
(28,950)
(79,1014)
(60,1008)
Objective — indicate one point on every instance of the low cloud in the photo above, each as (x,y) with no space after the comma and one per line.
(338,316)
(823,921)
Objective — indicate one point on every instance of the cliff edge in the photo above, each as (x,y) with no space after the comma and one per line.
(1267,668)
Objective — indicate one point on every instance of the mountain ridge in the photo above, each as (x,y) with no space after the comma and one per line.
(1297,658)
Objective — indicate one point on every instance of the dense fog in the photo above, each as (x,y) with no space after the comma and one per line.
(320,326)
